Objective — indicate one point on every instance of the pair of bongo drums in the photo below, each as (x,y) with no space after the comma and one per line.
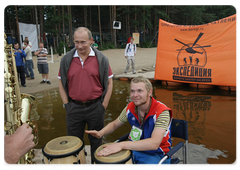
(70,150)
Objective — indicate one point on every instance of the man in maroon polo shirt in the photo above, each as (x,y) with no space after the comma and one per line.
(85,86)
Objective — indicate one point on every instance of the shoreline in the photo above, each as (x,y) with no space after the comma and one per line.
(145,57)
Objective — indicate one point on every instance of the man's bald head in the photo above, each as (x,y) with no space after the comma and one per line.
(80,29)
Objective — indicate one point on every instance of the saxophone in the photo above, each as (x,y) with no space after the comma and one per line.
(17,106)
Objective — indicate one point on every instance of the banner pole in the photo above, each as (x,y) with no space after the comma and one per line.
(64,50)
(51,56)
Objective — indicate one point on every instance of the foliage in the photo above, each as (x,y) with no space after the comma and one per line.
(142,19)
(107,45)
(146,44)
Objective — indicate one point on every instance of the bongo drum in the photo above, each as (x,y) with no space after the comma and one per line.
(64,150)
(122,157)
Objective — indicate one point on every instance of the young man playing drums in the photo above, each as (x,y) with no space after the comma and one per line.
(150,120)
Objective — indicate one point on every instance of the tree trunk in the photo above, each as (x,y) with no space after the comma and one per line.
(128,23)
(85,16)
(114,30)
(90,18)
(70,25)
(155,26)
(55,39)
(41,18)
(59,26)
(169,11)
(32,15)
(64,40)
(144,34)
(111,23)
(37,23)
(100,32)
(135,17)
(17,26)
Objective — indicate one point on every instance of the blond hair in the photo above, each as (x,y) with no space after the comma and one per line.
(84,29)
(144,80)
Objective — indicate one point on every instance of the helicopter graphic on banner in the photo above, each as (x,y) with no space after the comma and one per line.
(192,53)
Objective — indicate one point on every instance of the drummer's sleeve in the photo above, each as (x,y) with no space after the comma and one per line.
(163,120)
(123,116)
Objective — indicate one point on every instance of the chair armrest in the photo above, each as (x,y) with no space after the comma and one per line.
(171,152)
(175,149)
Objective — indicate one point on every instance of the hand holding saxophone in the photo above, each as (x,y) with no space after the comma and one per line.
(18,144)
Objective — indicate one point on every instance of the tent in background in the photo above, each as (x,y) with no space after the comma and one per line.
(30,31)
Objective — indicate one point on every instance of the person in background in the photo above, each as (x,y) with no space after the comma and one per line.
(29,43)
(85,86)
(28,62)
(19,55)
(130,52)
(150,137)
(42,63)
(18,144)
(94,44)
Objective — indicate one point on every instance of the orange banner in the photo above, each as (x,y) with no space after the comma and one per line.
(202,54)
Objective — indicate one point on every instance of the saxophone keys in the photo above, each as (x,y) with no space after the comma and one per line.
(8,89)
(7,75)
(7,126)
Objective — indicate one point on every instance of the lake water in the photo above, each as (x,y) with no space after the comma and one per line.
(211,117)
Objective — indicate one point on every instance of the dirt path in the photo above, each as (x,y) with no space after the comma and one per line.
(145,57)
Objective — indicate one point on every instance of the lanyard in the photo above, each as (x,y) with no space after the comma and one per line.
(142,119)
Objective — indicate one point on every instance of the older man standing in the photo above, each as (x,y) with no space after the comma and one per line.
(85,87)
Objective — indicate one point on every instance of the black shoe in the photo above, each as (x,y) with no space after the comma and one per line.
(42,82)
(48,82)
(24,85)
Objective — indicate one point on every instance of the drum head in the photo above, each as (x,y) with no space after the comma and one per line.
(62,146)
(117,158)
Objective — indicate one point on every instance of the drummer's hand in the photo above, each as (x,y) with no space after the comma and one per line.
(110,149)
(94,133)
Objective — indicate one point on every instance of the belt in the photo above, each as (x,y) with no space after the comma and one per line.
(86,103)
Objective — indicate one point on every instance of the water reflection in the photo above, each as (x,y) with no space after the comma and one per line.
(194,109)
(211,116)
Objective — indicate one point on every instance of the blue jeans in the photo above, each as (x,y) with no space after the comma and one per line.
(145,158)
(28,68)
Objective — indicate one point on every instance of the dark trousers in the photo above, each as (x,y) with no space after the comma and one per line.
(21,74)
(77,118)
(29,68)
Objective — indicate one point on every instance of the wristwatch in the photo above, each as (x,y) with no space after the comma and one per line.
(64,105)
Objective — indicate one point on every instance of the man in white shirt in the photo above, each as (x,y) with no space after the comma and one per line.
(29,43)
(28,62)
(130,52)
